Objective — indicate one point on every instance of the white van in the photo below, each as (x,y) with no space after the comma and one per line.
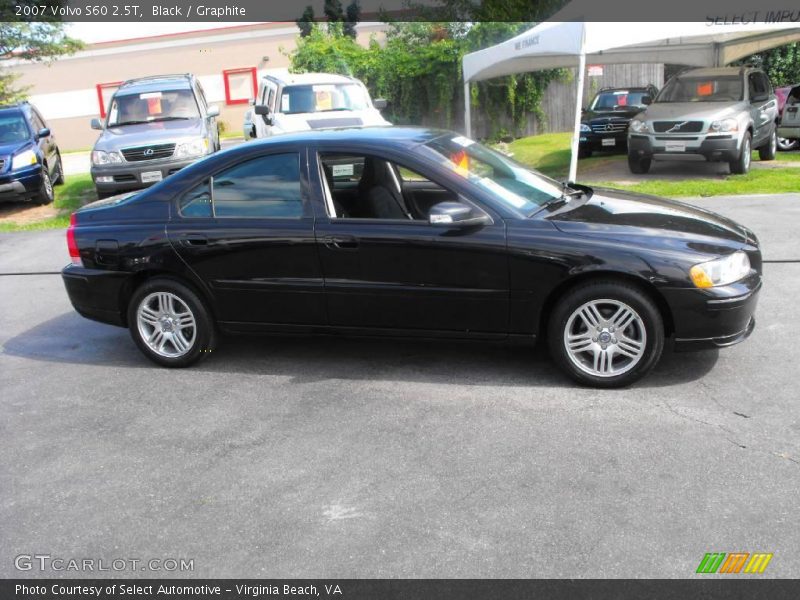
(288,102)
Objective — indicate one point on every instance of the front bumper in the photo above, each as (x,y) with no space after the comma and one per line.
(699,146)
(128,175)
(96,294)
(599,142)
(22,185)
(714,318)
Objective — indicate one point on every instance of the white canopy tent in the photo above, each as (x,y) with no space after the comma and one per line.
(560,44)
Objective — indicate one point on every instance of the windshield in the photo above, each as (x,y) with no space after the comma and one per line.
(13,128)
(129,109)
(323,98)
(618,99)
(516,187)
(702,89)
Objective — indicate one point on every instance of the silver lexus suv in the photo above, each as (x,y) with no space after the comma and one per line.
(154,127)
(717,114)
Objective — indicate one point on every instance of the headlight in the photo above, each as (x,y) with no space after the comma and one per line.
(24,159)
(721,271)
(725,125)
(194,148)
(585,128)
(101,157)
(638,126)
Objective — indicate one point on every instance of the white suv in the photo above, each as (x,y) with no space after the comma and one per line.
(289,102)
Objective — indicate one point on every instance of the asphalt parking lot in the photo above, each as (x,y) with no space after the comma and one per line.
(332,457)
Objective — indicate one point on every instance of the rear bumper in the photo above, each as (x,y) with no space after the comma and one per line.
(714,319)
(96,294)
(698,147)
(790,133)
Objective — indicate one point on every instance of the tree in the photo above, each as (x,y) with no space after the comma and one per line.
(41,41)
(333,11)
(352,17)
(781,64)
(306,21)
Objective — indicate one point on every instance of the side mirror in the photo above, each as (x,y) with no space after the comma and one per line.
(456,214)
(646,100)
(261,109)
(379,103)
(213,111)
(43,133)
(96,124)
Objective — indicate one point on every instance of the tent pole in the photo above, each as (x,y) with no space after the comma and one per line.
(576,133)
(467,114)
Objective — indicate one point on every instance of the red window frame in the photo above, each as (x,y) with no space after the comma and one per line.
(100,101)
(226,80)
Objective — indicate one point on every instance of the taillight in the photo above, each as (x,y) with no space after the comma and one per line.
(74,253)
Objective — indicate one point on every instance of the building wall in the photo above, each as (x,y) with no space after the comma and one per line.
(65,91)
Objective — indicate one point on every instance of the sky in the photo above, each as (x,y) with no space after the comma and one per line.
(93,33)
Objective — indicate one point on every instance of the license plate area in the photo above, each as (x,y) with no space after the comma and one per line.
(609,142)
(151,176)
(675,146)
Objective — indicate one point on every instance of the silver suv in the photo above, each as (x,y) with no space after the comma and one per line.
(155,126)
(718,114)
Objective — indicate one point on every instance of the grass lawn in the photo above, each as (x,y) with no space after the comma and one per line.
(77,191)
(762,181)
(549,153)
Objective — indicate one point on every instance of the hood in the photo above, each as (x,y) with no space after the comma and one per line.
(605,115)
(114,138)
(627,215)
(14,147)
(693,111)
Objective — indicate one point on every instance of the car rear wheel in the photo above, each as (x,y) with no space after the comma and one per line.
(606,334)
(45,194)
(638,165)
(787,145)
(770,149)
(741,165)
(170,324)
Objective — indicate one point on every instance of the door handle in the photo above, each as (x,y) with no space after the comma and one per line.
(341,242)
(194,239)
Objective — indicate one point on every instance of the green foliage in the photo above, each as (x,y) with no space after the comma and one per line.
(781,64)
(418,70)
(41,41)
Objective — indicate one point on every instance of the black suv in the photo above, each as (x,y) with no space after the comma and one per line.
(30,162)
(604,125)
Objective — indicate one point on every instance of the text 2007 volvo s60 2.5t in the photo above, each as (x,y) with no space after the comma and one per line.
(415,232)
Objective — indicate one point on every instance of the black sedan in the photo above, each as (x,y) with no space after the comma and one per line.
(411,232)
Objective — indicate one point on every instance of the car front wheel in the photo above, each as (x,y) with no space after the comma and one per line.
(741,164)
(638,165)
(45,194)
(787,145)
(170,324)
(606,334)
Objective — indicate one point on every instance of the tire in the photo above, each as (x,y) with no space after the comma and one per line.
(741,165)
(59,178)
(787,145)
(607,357)
(584,152)
(45,195)
(770,149)
(160,309)
(638,165)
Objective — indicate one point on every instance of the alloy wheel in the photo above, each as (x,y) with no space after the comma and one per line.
(605,338)
(166,324)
